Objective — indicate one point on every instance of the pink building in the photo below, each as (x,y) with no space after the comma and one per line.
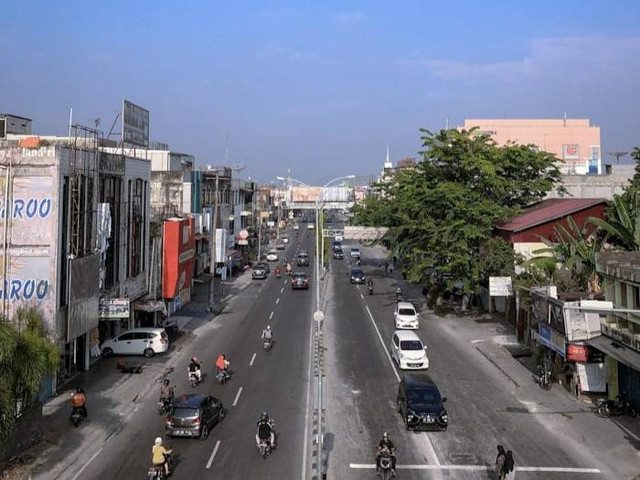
(575,141)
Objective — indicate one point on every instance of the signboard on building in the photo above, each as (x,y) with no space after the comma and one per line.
(571,152)
(500,286)
(221,244)
(305,194)
(243,238)
(577,353)
(113,308)
(179,256)
(135,124)
(551,339)
(84,295)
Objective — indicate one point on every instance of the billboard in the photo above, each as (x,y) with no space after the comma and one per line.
(84,295)
(114,308)
(135,124)
(179,256)
(570,152)
(305,194)
(29,259)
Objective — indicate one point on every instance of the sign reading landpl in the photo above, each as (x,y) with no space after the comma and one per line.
(135,124)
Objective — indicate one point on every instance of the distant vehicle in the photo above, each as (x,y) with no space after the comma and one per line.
(357,276)
(137,341)
(354,252)
(338,254)
(284,239)
(194,416)
(280,246)
(303,260)
(299,280)
(272,255)
(405,316)
(259,272)
(296,226)
(311,226)
(338,238)
(420,404)
(408,351)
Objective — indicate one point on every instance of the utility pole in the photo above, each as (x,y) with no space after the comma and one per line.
(617,155)
(214,232)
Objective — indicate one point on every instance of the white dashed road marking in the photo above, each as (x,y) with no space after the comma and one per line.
(362,296)
(252,359)
(270,315)
(277,300)
(282,290)
(235,402)
(213,454)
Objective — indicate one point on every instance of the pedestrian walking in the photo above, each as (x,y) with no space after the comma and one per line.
(509,466)
(500,462)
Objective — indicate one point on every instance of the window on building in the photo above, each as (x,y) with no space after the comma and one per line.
(111,193)
(137,202)
(623,295)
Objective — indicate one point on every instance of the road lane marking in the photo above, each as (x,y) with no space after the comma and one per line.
(252,359)
(430,451)
(282,290)
(88,462)
(270,315)
(306,423)
(213,454)
(362,296)
(235,402)
(371,466)
(277,300)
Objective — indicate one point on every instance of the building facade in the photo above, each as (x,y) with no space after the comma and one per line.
(574,141)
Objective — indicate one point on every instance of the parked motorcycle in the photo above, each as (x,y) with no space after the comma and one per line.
(542,377)
(614,408)
(385,471)
(158,472)
(77,416)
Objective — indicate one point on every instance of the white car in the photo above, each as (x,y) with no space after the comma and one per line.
(408,351)
(310,226)
(405,316)
(284,239)
(338,238)
(137,341)
(296,226)
(272,255)
(354,252)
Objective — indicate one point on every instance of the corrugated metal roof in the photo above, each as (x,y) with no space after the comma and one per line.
(549,210)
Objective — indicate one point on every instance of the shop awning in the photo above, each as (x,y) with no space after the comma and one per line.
(610,347)
(150,306)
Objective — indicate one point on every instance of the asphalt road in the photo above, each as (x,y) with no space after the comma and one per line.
(485,406)
(276,381)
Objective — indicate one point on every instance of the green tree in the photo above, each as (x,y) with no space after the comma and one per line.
(621,224)
(27,356)
(442,214)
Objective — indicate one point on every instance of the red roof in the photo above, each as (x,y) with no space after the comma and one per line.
(549,210)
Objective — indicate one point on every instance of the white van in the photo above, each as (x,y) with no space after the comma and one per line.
(408,351)
(137,341)
(405,316)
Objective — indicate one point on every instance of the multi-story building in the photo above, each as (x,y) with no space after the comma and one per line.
(574,141)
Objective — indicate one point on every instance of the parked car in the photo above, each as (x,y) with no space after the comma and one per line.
(137,341)
(405,316)
(420,404)
(303,259)
(311,226)
(408,351)
(272,255)
(193,416)
(299,280)
(357,276)
(354,252)
(259,272)
(338,254)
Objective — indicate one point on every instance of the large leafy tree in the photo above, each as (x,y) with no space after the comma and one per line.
(27,356)
(442,213)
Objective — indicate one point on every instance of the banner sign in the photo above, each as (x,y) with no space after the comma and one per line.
(135,124)
(500,286)
(111,308)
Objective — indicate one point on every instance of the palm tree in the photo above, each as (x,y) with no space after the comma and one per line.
(27,356)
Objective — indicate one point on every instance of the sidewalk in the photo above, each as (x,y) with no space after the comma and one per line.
(113,396)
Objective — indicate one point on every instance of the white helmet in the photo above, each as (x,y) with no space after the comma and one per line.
(268,327)
(158,441)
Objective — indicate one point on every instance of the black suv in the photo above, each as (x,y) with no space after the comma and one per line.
(357,276)
(338,254)
(193,416)
(420,404)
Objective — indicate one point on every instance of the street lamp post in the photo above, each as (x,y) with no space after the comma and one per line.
(214,231)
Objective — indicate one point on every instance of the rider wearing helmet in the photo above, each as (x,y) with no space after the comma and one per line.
(267,334)
(160,455)
(266,430)
(195,368)
(386,444)
(222,364)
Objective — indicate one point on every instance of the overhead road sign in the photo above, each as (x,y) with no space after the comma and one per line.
(364,233)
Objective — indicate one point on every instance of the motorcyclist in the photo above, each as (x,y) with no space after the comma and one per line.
(195,368)
(288,269)
(370,285)
(358,260)
(386,444)
(266,430)
(278,271)
(79,401)
(222,364)
(166,392)
(398,294)
(159,454)
(267,334)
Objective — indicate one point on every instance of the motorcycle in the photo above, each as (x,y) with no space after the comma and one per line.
(223,375)
(385,471)
(370,287)
(158,472)
(614,408)
(542,378)
(398,295)
(266,344)
(194,379)
(164,405)
(76,416)
(264,446)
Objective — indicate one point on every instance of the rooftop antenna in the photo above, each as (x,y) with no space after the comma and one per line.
(226,152)
(617,155)
(446,123)
(96,122)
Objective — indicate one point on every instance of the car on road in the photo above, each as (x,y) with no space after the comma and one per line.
(303,259)
(420,404)
(357,276)
(137,341)
(354,252)
(193,416)
(338,238)
(259,272)
(296,226)
(280,245)
(310,226)
(272,255)
(299,280)
(338,254)
(405,316)
(285,239)
(408,351)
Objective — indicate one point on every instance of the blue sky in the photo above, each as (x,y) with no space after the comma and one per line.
(320,87)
